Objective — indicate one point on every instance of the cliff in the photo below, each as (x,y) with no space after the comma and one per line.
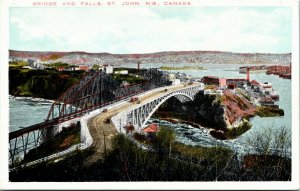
(227,115)
(236,108)
(48,84)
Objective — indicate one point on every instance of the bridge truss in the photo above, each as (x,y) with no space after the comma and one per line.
(94,90)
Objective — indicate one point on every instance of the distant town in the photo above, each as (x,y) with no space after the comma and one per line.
(174,57)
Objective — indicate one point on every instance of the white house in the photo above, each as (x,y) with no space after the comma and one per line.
(109,69)
(175,82)
(121,72)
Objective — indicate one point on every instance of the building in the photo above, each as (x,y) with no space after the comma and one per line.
(175,82)
(210,80)
(151,129)
(109,69)
(266,87)
(121,72)
(222,82)
(60,68)
(236,82)
(82,67)
(172,76)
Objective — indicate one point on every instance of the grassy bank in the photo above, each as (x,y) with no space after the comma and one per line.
(66,138)
(264,111)
(128,162)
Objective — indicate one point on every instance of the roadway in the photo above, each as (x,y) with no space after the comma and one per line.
(103,132)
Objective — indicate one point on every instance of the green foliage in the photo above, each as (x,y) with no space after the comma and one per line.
(264,111)
(182,68)
(237,131)
(216,155)
(17,64)
(49,84)
(128,162)
(67,137)
(58,64)
(96,67)
(209,112)
(164,138)
(268,139)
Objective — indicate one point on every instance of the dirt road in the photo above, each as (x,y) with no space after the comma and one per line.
(103,132)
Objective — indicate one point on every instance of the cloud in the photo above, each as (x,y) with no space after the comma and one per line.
(139,30)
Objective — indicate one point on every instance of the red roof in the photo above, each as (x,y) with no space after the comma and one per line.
(236,79)
(152,128)
(254,82)
(214,77)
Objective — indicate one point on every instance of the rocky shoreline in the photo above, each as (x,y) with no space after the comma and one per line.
(32,99)
(218,134)
(224,116)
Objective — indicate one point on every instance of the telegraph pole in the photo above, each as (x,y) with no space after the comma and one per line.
(104,144)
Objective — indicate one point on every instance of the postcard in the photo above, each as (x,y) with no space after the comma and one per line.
(149,94)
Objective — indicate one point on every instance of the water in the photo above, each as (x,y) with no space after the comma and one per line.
(194,136)
(24,113)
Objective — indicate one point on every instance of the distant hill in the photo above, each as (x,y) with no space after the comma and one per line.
(159,57)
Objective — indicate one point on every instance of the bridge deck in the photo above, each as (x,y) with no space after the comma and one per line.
(98,128)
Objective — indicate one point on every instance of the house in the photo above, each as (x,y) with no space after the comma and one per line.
(109,69)
(121,72)
(82,67)
(175,82)
(255,85)
(266,87)
(60,68)
(222,82)
(236,82)
(151,129)
(210,80)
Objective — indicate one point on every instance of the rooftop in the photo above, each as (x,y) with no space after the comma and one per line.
(152,128)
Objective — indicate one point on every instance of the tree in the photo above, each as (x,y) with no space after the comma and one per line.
(270,156)
(164,139)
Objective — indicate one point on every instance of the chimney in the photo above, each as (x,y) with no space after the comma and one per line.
(248,74)
(138,65)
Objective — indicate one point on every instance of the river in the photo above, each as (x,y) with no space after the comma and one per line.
(28,112)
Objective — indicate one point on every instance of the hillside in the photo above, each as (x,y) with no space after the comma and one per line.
(159,57)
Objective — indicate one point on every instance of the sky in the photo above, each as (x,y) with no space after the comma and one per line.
(145,30)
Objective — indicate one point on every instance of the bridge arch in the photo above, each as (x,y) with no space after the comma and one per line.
(179,96)
(139,116)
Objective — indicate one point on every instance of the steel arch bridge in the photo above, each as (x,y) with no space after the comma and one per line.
(139,116)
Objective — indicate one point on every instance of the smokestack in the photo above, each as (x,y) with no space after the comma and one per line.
(138,65)
(248,74)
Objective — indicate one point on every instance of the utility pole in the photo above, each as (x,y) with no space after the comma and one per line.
(104,144)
